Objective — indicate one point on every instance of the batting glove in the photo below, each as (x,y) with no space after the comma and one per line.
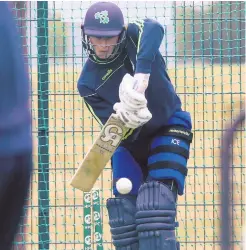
(131,91)
(132,118)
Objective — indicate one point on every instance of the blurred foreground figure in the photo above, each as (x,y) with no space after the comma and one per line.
(227,144)
(15,129)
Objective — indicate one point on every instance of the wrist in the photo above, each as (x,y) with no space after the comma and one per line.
(141,77)
(143,66)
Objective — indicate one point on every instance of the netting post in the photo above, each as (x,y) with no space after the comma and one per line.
(43,124)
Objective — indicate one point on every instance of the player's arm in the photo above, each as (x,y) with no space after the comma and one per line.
(148,35)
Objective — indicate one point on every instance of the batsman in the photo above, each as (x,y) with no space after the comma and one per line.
(155,150)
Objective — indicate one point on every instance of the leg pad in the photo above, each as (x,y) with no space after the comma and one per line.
(121,211)
(155,217)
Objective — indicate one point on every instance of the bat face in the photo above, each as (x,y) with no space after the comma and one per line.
(99,154)
(111,135)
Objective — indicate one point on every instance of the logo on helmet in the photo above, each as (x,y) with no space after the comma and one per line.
(102,16)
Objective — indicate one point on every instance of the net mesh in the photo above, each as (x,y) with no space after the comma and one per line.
(204,47)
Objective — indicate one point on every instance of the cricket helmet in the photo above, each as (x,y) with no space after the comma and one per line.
(103,20)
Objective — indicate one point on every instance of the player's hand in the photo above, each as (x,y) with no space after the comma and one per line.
(131,91)
(132,118)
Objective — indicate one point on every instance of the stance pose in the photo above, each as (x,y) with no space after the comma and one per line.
(15,129)
(154,153)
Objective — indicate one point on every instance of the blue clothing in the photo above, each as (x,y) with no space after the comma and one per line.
(15,120)
(15,178)
(99,83)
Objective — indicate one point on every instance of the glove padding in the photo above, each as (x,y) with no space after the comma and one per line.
(129,91)
(130,117)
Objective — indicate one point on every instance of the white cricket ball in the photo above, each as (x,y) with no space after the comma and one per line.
(124,186)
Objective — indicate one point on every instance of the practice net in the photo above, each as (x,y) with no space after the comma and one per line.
(204,48)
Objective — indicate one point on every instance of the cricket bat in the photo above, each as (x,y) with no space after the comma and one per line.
(99,155)
(102,150)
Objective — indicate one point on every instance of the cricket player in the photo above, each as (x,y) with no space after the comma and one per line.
(155,150)
(15,129)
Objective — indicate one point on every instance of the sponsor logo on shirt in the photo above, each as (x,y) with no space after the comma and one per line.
(109,71)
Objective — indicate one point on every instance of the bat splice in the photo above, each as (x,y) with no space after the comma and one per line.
(99,155)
